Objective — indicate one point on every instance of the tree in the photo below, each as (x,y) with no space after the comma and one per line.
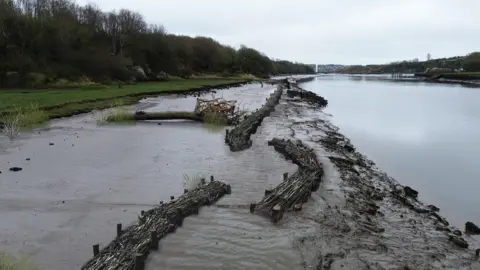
(471,62)
(59,38)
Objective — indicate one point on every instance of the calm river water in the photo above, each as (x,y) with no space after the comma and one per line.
(424,135)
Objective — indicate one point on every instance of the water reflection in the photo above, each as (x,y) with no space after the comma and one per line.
(425,135)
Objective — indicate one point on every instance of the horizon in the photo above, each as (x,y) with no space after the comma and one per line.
(346,32)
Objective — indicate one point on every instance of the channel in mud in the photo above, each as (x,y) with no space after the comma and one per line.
(82,179)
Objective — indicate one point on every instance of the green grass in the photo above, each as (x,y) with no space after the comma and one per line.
(8,262)
(67,102)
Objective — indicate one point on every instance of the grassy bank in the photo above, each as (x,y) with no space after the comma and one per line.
(67,102)
(452,76)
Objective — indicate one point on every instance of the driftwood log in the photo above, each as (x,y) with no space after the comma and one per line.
(296,189)
(130,248)
(139,116)
(238,138)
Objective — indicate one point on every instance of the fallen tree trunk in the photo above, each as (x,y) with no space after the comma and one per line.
(139,116)
(238,138)
(296,189)
(132,245)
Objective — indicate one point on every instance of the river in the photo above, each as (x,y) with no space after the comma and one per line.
(425,135)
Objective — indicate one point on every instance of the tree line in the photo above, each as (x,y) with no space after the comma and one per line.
(468,63)
(61,39)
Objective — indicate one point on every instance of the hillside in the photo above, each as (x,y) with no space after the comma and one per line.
(53,41)
(470,63)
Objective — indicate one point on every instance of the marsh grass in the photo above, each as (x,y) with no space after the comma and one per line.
(8,262)
(215,118)
(28,117)
(191,182)
(118,113)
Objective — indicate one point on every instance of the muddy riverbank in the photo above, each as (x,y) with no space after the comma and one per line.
(368,220)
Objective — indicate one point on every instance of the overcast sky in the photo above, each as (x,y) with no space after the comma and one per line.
(323,31)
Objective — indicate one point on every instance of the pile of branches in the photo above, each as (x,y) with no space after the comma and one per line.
(219,108)
(238,138)
(308,96)
(295,190)
(135,241)
(297,152)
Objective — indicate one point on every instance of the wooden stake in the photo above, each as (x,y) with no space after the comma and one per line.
(139,263)
(119,229)
(153,240)
(252,207)
(96,249)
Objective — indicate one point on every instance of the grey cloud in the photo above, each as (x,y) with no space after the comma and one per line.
(316,31)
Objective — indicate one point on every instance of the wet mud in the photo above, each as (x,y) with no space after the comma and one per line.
(368,220)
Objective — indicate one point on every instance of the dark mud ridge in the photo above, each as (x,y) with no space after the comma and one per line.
(296,189)
(308,96)
(238,138)
(367,219)
(132,245)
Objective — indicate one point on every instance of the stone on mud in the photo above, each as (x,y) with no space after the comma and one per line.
(471,228)
(15,169)
(457,232)
(442,228)
(410,192)
(459,241)
(433,208)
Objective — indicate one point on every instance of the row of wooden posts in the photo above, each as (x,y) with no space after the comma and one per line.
(139,261)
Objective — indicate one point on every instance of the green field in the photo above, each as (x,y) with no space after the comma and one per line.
(58,102)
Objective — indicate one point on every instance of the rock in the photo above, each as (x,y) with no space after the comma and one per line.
(349,148)
(459,241)
(457,232)
(159,124)
(442,228)
(27,159)
(410,192)
(15,169)
(433,208)
(51,143)
(140,113)
(471,228)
